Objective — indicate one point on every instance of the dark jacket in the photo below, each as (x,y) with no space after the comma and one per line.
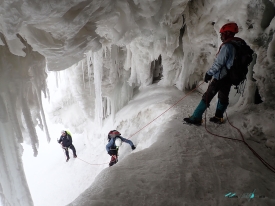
(66,140)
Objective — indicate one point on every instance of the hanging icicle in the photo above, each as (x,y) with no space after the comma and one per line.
(97,81)
(12,178)
(3,200)
(89,66)
(38,94)
(11,105)
(83,74)
(3,111)
(30,126)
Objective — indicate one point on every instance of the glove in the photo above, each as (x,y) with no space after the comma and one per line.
(133,147)
(110,153)
(207,77)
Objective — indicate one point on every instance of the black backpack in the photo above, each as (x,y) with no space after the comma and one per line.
(243,57)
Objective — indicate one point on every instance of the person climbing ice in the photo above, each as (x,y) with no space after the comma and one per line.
(114,141)
(66,142)
(221,71)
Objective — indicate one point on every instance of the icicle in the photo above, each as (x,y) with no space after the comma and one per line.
(97,81)
(89,57)
(3,111)
(133,78)
(5,174)
(11,105)
(83,74)
(38,84)
(105,51)
(108,107)
(15,185)
(127,64)
(56,78)
(43,115)
(121,95)
(3,200)
(30,125)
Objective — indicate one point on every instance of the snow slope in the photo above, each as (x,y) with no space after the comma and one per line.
(174,163)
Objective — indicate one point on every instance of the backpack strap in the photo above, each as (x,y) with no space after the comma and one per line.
(231,41)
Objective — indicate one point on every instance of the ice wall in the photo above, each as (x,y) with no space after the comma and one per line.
(22,82)
(185,34)
(104,51)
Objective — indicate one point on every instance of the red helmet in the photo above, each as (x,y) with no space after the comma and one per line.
(114,133)
(232,27)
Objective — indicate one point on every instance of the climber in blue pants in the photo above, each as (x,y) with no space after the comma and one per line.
(221,83)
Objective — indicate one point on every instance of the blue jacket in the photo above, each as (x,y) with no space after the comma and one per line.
(111,144)
(224,59)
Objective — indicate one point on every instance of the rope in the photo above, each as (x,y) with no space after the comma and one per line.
(93,164)
(90,163)
(242,140)
(217,134)
(154,118)
(166,110)
(253,151)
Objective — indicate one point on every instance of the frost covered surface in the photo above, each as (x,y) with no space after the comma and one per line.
(101,54)
(176,164)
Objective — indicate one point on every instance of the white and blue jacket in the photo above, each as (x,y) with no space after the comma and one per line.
(111,144)
(224,59)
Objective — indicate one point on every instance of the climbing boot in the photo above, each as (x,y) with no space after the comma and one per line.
(192,120)
(216,120)
(113,161)
(196,118)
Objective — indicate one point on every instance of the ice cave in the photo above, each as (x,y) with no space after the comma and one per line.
(137,66)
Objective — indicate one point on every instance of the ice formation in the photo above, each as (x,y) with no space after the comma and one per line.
(100,51)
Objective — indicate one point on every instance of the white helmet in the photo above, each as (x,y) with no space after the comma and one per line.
(63,131)
(118,142)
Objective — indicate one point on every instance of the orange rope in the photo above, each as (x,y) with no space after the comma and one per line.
(90,163)
(154,118)
(166,110)
(253,151)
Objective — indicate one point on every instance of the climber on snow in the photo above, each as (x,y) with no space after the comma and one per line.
(221,82)
(114,142)
(66,142)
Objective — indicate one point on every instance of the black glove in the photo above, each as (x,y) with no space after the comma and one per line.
(207,77)
(133,147)
(110,153)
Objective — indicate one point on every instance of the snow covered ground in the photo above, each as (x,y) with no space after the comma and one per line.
(173,164)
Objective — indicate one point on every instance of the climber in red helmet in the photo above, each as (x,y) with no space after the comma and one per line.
(114,142)
(221,82)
